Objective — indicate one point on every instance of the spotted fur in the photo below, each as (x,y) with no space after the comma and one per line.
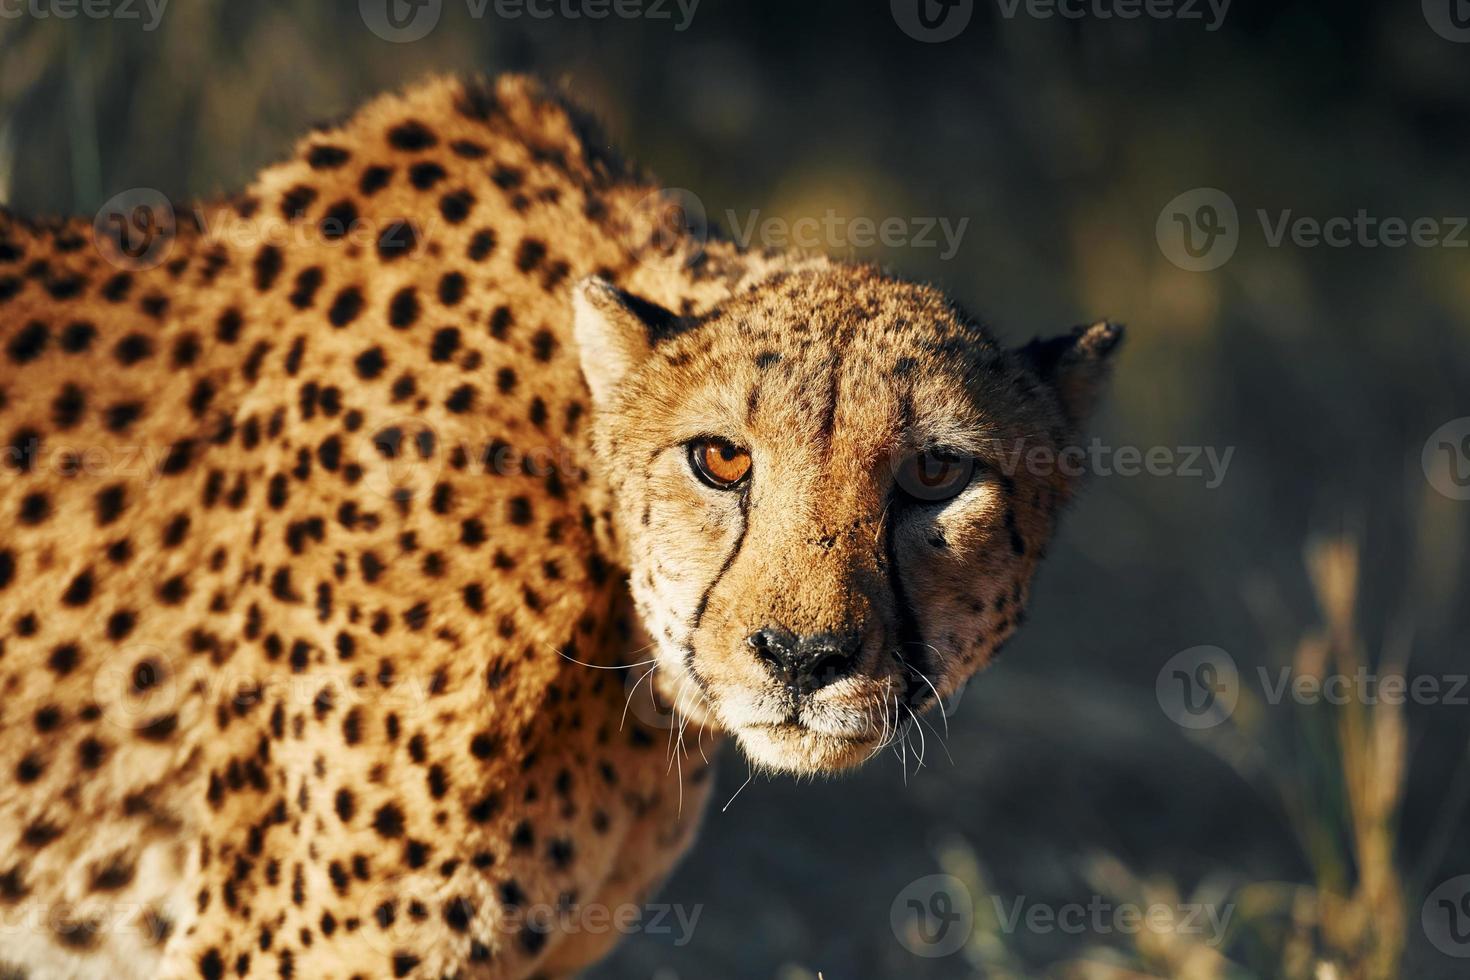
(315,630)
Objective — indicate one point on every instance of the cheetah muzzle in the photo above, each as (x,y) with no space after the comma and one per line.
(344,522)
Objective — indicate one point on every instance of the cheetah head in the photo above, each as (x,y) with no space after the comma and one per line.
(833,491)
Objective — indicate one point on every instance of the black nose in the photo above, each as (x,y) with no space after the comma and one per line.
(806,663)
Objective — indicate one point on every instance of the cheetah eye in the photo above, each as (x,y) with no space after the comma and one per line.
(718,463)
(936,476)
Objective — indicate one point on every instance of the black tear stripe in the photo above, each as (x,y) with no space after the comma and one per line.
(909,634)
(725,567)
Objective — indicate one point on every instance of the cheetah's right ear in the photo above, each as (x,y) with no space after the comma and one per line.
(1076,365)
(614,332)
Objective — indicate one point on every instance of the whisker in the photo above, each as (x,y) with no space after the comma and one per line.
(750,775)
(937,699)
(632,692)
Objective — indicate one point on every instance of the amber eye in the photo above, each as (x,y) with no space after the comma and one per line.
(934,476)
(718,463)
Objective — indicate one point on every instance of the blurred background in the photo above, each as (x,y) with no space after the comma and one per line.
(1068,158)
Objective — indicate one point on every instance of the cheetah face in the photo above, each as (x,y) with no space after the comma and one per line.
(830,494)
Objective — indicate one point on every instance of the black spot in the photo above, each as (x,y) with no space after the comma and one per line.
(397,240)
(472,532)
(425,175)
(327,157)
(445,343)
(116,289)
(200,397)
(404,964)
(484,745)
(77,337)
(486,808)
(118,417)
(186,350)
(79,592)
(34,508)
(373,180)
(132,349)
(338,220)
(455,206)
(308,281)
(481,245)
(416,616)
(120,624)
(403,309)
(268,262)
(63,658)
(178,457)
(451,288)
(212,965)
(345,307)
(67,409)
(543,345)
(412,135)
(345,804)
(227,329)
(23,449)
(295,202)
(173,590)
(370,363)
(461,399)
(457,914)
(530,254)
(388,821)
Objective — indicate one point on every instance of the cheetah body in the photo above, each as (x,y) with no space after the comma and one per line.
(343,524)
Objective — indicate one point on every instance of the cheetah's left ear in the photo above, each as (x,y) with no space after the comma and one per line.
(614,332)
(1075,365)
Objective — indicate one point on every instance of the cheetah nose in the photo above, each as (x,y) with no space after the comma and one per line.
(806,663)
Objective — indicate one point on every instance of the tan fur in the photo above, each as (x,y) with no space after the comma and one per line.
(310,563)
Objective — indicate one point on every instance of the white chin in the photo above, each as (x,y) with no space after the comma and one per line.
(789,748)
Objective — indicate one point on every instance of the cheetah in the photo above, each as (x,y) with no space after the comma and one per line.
(343,521)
